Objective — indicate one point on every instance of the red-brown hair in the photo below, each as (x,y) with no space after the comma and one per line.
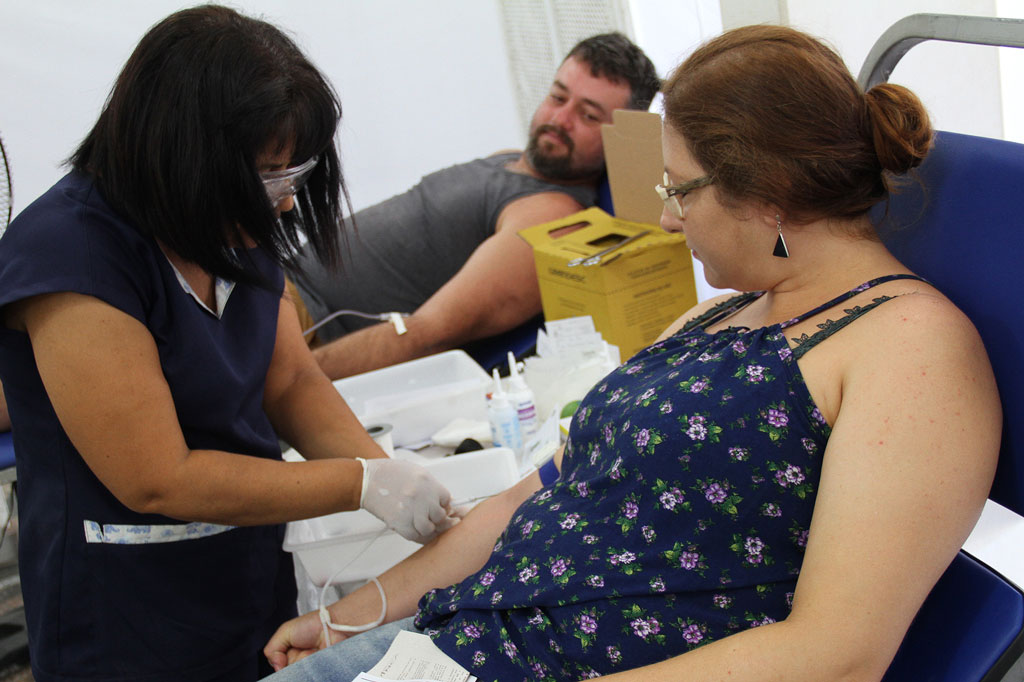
(774,115)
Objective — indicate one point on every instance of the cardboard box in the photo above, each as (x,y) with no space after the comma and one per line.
(632,154)
(634,297)
(637,290)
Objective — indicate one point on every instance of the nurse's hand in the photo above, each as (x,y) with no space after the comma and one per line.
(296,639)
(407,498)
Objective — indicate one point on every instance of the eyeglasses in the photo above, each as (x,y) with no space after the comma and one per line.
(285,183)
(673,195)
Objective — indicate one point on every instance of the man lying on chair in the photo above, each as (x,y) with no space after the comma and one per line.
(448,249)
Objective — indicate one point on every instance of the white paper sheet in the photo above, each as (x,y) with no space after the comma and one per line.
(415,658)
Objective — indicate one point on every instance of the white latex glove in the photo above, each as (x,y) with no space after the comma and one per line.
(406,497)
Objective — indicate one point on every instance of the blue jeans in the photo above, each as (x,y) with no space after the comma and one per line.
(346,659)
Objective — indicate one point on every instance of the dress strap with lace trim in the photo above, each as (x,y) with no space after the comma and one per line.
(804,342)
(722,310)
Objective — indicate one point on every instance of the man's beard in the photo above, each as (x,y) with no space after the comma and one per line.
(556,167)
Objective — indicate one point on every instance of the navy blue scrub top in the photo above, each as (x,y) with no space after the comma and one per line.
(111,594)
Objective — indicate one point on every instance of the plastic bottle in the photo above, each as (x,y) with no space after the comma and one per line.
(501,413)
(522,399)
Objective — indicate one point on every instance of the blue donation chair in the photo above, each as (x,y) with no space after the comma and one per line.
(13,633)
(962,228)
(7,474)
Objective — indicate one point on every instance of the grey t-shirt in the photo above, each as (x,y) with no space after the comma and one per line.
(408,246)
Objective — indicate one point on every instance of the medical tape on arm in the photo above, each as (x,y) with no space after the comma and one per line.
(396,319)
(364,484)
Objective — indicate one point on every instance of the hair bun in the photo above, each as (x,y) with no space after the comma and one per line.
(900,127)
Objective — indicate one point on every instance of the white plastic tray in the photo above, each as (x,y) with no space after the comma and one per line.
(353,546)
(419,397)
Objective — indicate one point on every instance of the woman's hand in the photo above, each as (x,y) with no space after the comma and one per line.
(298,638)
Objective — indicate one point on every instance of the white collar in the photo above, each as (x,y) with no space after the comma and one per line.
(222,289)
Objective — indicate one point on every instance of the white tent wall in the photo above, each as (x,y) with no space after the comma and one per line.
(1011,76)
(424,85)
(967,88)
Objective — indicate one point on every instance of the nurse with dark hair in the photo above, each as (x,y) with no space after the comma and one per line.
(152,362)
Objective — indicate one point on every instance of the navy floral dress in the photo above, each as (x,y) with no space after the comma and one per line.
(680,515)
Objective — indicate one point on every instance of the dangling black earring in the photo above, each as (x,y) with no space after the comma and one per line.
(780,244)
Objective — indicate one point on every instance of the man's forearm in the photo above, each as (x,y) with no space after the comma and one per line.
(379,346)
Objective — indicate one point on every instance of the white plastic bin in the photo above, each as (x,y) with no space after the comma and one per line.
(357,546)
(419,397)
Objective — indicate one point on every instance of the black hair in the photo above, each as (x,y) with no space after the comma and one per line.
(615,57)
(204,96)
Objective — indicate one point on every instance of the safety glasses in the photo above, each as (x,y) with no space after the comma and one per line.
(673,195)
(284,183)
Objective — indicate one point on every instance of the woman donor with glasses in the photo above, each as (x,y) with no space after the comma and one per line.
(152,362)
(678,542)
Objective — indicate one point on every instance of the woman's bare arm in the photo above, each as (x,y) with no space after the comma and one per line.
(102,372)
